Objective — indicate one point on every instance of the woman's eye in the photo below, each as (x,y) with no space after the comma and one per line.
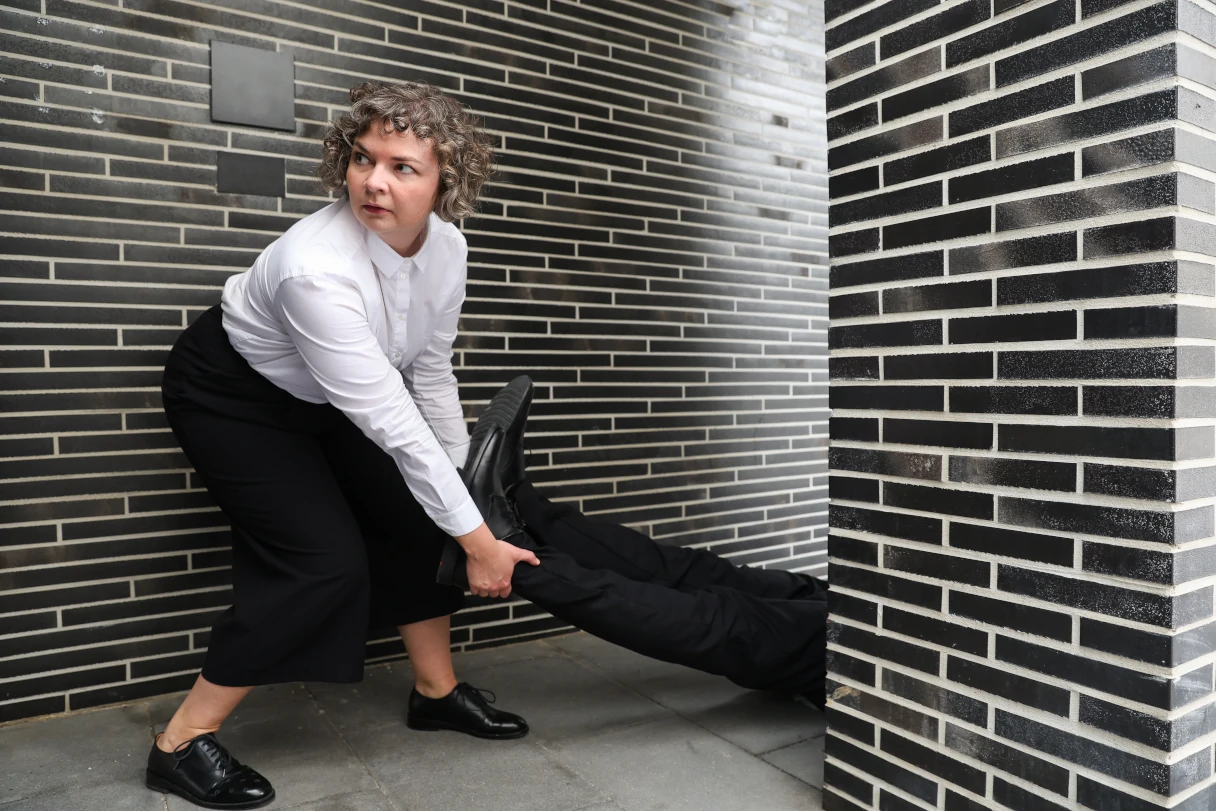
(404,167)
(360,158)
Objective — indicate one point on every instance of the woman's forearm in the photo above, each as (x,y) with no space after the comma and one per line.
(476,543)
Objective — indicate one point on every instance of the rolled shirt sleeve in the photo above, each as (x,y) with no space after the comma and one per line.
(325,317)
(433,384)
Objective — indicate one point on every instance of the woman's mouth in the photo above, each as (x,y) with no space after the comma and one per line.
(371,209)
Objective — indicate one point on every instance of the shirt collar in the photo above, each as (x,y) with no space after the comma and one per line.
(388,261)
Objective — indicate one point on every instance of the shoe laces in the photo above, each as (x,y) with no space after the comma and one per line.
(488,695)
(209,747)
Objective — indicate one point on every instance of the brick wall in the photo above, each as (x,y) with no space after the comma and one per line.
(1022,237)
(653,253)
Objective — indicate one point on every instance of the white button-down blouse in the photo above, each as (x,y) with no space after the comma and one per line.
(331,314)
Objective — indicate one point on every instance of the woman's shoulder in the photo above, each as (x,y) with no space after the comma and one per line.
(328,240)
(447,234)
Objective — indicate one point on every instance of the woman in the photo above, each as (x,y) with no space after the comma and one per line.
(318,405)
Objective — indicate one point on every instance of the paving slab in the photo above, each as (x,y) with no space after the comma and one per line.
(448,771)
(675,765)
(359,801)
(803,760)
(127,794)
(76,752)
(754,720)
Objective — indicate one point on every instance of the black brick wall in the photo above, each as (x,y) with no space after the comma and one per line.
(653,253)
(1023,312)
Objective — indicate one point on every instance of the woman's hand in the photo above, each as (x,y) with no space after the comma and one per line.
(490,567)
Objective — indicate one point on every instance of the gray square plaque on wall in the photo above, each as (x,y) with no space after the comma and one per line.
(252,87)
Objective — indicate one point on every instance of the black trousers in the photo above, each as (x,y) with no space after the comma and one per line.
(326,537)
(761,628)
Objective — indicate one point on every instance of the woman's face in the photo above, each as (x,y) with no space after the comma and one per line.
(393,180)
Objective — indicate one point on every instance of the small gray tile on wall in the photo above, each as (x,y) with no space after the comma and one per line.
(253,87)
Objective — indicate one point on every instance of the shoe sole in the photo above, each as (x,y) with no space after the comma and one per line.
(156,783)
(437,726)
(502,413)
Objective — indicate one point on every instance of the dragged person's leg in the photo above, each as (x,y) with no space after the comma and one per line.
(758,643)
(599,544)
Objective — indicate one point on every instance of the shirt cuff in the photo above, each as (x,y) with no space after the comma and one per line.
(460,521)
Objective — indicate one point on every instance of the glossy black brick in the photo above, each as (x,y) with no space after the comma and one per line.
(934,762)
(1020,104)
(901,201)
(1129,71)
(836,779)
(876,19)
(933,564)
(1000,682)
(850,62)
(881,767)
(1155,484)
(1049,776)
(1014,253)
(1061,476)
(1165,363)
(856,182)
(885,647)
(853,368)
(853,242)
(1090,42)
(862,429)
(898,333)
(884,522)
(853,305)
(938,500)
(1104,282)
(853,489)
(1165,444)
(841,664)
(885,585)
(896,398)
(853,549)
(1015,177)
(1008,614)
(1038,22)
(887,463)
(890,269)
(954,225)
(1134,195)
(914,721)
(1057,400)
(1049,326)
(951,88)
(853,121)
(1106,119)
(1130,768)
(1015,797)
(885,78)
(956,295)
(1167,650)
(1115,522)
(1012,543)
(1146,401)
(977,435)
(936,161)
(1165,320)
(1159,234)
(1128,153)
(885,143)
(933,28)
(850,606)
(1125,722)
(936,698)
(952,365)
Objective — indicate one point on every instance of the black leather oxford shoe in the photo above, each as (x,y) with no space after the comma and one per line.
(466,710)
(494,466)
(202,771)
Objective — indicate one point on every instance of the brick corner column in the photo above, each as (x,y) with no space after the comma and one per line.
(1022,440)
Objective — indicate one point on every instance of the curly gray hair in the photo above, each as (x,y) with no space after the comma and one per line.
(466,159)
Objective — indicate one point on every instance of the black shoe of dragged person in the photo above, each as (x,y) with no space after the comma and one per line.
(508,412)
(201,771)
(485,486)
(466,710)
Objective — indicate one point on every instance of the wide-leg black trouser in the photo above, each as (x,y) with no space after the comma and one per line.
(761,628)
(326,537)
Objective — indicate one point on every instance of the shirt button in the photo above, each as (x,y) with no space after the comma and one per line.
(396,354)
(400,275)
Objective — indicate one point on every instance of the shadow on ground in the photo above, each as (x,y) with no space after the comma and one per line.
(610,730)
